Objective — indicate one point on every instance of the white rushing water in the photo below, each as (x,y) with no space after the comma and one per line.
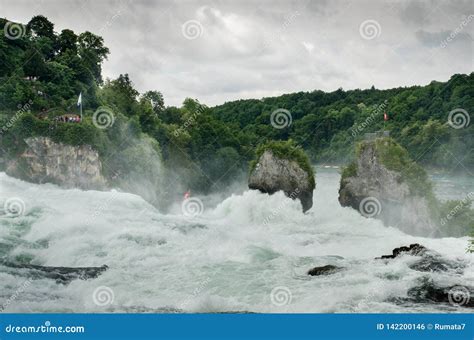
(230,258)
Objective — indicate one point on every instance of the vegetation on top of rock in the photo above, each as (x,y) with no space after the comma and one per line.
(349,170)
(454,217)
(395,157)
(286,150)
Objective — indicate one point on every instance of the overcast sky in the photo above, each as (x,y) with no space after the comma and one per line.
(217,51)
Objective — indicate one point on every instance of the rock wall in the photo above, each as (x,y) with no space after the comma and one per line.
(272,174)
(45,161)
(378,192)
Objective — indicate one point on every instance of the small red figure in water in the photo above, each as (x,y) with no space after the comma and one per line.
(187,194)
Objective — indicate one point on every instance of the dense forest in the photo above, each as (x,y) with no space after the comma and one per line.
(43,72)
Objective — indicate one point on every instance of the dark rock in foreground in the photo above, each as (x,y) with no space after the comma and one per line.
(427,260)
(428,292)
(63,275)
(413,249)
(324,270)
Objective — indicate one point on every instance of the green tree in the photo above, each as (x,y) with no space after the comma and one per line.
(92,51)
(40,26)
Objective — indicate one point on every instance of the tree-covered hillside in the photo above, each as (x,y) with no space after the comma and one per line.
(43,72)
(327,124)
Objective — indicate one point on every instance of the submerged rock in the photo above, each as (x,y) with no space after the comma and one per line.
(324,270)
(428,291)
(426,260)
(384,183)
(413,249)
(273,173)
(45,161)
(61,275)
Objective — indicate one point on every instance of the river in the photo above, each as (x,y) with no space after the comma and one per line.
(247,253)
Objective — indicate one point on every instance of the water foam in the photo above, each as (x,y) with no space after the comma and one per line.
(230,258)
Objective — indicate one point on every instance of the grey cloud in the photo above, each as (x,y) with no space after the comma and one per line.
(417,12)
(435,39)
(252,49)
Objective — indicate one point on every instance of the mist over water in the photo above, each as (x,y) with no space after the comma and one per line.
(230,258)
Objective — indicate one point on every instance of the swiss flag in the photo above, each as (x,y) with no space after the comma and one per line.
(385,116)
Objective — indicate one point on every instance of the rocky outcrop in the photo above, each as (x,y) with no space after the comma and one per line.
(45,161)
(374,187)
(272,174)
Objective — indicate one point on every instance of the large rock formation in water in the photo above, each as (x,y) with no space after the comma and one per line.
(292,175)
(45,161)
(385,183)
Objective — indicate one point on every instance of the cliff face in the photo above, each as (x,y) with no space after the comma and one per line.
(379,192)
(45,161)
(272,174)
